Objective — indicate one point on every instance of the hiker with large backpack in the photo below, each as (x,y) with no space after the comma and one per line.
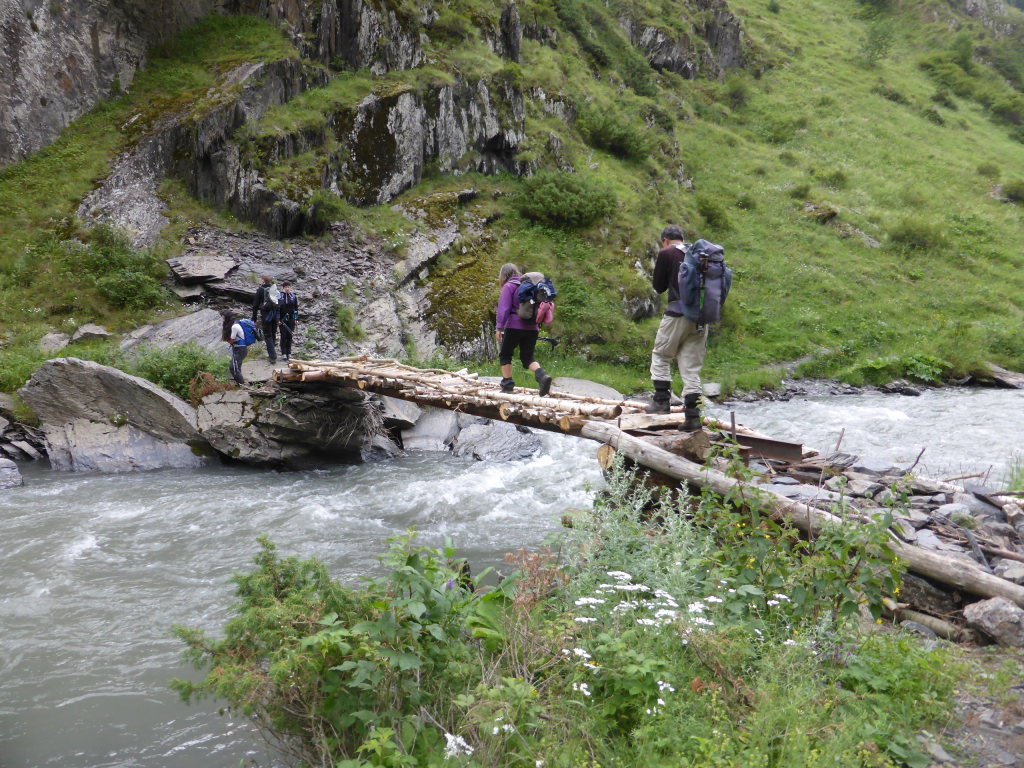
(698,283)
(264,311)
(240,334)
(517,325)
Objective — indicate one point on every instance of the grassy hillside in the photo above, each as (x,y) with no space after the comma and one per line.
(849,171)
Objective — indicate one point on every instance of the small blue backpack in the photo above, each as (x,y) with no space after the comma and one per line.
(249,333)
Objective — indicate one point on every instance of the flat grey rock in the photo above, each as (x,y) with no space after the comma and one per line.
(495,441)
(875,467)
(54,341)
(90,332)
(202,327)
(1011,570)
(399,414)
(435,430)
(802,492)
(999,619)
(567,385)
(200,267)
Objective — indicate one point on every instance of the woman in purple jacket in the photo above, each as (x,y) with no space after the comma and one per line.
(514,332)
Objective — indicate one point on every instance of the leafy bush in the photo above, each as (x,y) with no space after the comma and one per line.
(126,277)
(581,662)
(175,368)
(713,213)
(561,199)
(324,209)
(917,234)
(879,41)
(773,6)
(611,130)
(737,91)
(989,171)
(1013,190)
(746,203)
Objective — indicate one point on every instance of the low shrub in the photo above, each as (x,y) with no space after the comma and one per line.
(737,91)
(713,213)
(177,367)
(611,130)
(125,276)
(1013,190)
(560,199)
(349,328)
(917,234)
(989,171)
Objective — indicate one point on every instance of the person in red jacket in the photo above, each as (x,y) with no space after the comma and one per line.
(515,332)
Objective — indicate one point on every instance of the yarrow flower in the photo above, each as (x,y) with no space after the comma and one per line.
(585,619)
(590,601)
(620,575)
(713,599)
(582,688)
(697,607)
(456,746)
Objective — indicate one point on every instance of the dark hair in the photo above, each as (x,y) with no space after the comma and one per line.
(286,284)
(225,329)
(672,232)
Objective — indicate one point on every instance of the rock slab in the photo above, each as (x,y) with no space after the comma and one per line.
(999,619)
(98,418)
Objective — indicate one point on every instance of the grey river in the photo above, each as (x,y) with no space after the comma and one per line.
(95,570)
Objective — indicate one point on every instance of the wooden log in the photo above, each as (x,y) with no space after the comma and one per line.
(955,573)
(695,446)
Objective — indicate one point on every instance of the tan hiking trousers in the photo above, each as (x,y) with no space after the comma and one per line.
(679,339)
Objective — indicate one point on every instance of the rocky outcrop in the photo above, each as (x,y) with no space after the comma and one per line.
(292,430)
(59,58)
(202,328)
(716,45)
(98,418)
(10,477)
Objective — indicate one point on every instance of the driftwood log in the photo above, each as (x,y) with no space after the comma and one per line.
(955,573)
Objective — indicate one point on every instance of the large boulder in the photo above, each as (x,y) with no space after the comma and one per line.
(291,430)
(999,619)
(202,327)
(488,440)
(10,477)
(435,430)
(98,418)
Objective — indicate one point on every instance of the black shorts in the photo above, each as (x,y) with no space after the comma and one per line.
(525,340)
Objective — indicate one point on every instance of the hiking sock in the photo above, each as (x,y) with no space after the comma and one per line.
(661,403)
(544,380)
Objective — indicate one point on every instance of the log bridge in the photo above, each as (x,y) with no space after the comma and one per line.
(652,441)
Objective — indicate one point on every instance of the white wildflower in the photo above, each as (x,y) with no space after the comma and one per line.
(780,596)
(646,622)
(590,601)
(581,653)
(713,599)
(633,587)
(663,686)
(772,603)
(790,641)
(582,688)
(697,607)
(456,746)
(661,702)
(585,619)
(620,575)
(703,622)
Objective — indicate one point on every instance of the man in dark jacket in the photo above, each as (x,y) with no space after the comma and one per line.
(264,311)
(678,339)
(288,315)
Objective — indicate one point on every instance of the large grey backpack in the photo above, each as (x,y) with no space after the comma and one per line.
(704,283)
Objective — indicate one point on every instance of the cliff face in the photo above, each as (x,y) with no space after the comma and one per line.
(59,58)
